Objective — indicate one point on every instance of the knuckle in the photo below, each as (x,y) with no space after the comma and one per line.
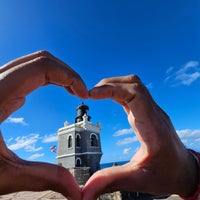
(41,60)
(43,57)
(134,78)
(138,88)
(104,81)
(43,53)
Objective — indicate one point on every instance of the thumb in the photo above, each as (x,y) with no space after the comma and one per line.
(109,180)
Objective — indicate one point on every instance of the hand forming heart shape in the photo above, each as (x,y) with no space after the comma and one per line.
(155,168)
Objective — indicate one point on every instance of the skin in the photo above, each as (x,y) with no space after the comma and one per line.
(162,165)
(17,79)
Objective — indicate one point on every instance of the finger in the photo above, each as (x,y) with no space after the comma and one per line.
(42,68)
(120,92)
(23,59)
(59,73)
(143,114)
(50,177)
(120,178)
(120,79)
(34,176)
(151,125)
(37,176)
(31,73)
(118,88)
(78,88)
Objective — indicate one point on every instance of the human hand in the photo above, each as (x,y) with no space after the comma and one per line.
(17,79)
(162,165)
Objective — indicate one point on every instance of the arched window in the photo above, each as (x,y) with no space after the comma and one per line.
(78,162)
(93,140)
(70,141)
(78,138)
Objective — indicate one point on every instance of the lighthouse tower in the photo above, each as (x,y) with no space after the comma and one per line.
(79,145)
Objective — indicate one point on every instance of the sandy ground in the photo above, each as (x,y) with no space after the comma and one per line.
(33,196)
(46,195)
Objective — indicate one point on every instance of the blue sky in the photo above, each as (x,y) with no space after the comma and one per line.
(157,40)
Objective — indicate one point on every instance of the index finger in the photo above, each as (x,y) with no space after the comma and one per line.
(117,88)
(150,123)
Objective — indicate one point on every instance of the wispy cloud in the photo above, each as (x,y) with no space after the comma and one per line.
(10,139)
(126,141)
(25,142)
(33,148)
(124,131)
(190,138)
(149,85)
(127,150)
(50,138)
(17,120)
(186,75)
(35,156)
(31,143)
(169,70)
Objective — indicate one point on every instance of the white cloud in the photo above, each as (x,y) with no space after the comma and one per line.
(190,138)
(25,142)
(50,138)
(127,150)
(189,134)
(126,141)
(35,156)
(186,75)
(124,131)
(16,120)
(32,148)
